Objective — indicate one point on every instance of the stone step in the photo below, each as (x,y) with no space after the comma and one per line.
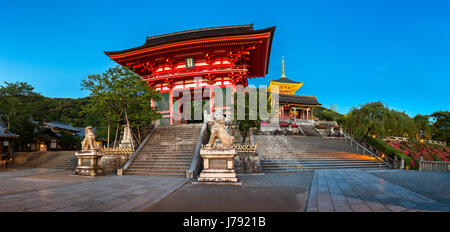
(303,169)
(317,161)
(156,174)
(168,152)
(166,171)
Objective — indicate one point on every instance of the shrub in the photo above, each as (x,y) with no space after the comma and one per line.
(388,150)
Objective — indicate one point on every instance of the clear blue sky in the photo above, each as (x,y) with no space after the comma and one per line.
(346,52)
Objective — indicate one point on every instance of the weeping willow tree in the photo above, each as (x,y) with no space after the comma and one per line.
(376,119)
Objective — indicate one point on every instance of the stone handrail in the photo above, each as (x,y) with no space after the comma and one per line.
(396,138)
(317,131)
(121,171)
(434,166)
(375,155)
(195,162)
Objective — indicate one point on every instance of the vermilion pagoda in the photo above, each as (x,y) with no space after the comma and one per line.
(292,106)
(211,59)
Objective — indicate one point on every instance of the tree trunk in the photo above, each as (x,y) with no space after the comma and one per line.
(139,135)
(109,130)
(117,131)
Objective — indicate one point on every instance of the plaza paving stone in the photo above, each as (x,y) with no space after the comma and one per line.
(259,193)
(339,190)
(435,185)
(47,190)
(345,190)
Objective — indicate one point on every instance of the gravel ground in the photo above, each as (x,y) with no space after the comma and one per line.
(435,185)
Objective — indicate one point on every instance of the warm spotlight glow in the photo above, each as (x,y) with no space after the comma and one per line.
(374,136)
(421,140)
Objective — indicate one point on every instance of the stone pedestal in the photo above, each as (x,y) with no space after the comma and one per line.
(89,163)
(218,165)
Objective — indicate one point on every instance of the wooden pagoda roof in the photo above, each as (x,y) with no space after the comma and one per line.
(298,99)
(192,34)
(186,37)
(285,80)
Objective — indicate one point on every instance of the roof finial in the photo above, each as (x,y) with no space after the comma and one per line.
(282,74)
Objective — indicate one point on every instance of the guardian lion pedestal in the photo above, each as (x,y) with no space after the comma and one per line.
(89,158)
(89,163)
(218,165)
(218,158)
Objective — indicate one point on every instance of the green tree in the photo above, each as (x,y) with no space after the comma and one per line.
(119,95)
(328,114)
(247,123)
(423,126)
(69,142)
(16,108)
(441,126)
(376,119)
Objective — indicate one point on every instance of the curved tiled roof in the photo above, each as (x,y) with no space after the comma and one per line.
(298,99)
(6,133)
(286,80)
(195,34)
(62,125)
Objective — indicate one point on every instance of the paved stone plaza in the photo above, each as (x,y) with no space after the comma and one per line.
(342,190)
(354,190)
(259,193)
(56,190)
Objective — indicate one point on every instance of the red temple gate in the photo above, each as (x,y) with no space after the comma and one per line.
(208,59)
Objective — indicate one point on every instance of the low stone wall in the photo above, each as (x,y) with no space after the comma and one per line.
(247,163)
(22,157)
(110,163)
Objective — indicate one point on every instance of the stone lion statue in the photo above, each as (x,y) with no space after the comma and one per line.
(88,142)
(218,131)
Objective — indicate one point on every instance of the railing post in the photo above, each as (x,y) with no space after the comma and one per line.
(421,164)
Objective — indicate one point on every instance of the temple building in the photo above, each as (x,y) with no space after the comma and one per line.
(207,60)
(292,106)
(6,140)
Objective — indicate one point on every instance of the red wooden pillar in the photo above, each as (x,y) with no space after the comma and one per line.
(211,99)
(171,106)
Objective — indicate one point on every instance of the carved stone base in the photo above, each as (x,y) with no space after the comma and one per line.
(125,143)
(218,165)
(89,163)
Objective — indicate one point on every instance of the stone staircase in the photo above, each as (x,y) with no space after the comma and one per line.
(280,154)
(309,130)
(168,152)
(54,159)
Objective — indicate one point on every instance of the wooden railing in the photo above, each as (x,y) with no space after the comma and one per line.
(196,71)
(434,166)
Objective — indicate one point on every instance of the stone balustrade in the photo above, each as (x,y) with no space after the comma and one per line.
(117,150)
(395,138)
